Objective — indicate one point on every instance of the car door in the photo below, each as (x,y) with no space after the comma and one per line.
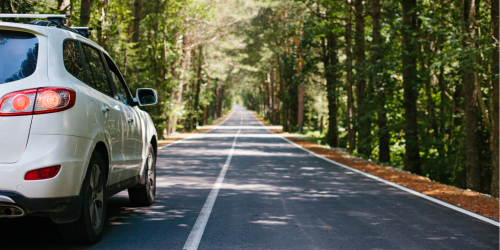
(138,138)
(113,115)
(134,146)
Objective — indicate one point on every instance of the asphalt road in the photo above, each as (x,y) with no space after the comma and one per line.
(273,196)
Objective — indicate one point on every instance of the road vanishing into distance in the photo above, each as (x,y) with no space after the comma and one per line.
(239,186)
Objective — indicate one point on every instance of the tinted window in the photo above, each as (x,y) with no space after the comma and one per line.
(96,74)
(118,87)
(73,59)
(18,55)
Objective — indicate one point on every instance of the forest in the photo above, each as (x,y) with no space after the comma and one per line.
(405,83)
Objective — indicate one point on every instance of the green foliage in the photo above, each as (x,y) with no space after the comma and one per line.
(183,45)
(441,61)
(256,53)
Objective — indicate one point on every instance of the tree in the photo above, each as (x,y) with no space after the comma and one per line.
(64,5)
(495,149)
(351,132)
(85,12)
(377,50)
(137,21)
(330,61)
(410,69)
(473,167)
(364,121)
(6,6)
(410,85)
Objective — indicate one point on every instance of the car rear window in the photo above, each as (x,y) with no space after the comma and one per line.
(18,55)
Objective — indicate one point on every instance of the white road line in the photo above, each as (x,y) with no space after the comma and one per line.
(193,135)
(411,191)
(199,226)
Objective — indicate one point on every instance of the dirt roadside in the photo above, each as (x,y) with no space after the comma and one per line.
(473,201)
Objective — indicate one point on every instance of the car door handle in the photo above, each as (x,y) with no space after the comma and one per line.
(105,109)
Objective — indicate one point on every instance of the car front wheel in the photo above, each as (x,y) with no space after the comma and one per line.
(144,196)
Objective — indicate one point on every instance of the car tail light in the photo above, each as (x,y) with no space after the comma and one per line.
(18,103)
(37,101)
(50,100)
(42,173)
(21,102)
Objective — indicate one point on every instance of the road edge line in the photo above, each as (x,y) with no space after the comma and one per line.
(408,190)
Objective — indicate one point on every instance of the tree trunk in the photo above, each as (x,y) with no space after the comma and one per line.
(216,98)
(351,132)
(430,101)
(284,110)
(198,87)
(330,62)
(300,115)
(472,154)
(383,132)
(221,101)
(265,98)
(364,142)
(64,5)
(85,13)
(495,141)
(184,63)
(301,106)
(137,21)
(271,85)
(6,7)
(410,85)
(442,88)
(204,116)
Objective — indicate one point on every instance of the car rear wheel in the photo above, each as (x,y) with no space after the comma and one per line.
(144,196)
(88,228)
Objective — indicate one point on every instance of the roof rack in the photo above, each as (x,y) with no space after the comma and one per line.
(84,31)
(58,20)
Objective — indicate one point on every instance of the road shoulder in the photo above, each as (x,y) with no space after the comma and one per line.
(475,202)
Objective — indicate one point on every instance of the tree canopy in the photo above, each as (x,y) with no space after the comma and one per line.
(413,84)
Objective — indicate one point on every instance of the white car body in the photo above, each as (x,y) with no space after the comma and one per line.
(121,133)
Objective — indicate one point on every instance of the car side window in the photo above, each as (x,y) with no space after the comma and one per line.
(96,74)
(120,92)
(73,59)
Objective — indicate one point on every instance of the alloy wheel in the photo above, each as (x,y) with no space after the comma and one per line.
(151,176)
(97,199)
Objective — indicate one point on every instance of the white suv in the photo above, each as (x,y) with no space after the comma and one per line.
(71,134)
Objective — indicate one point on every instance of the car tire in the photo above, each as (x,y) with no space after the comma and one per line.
(144,195)
(88,228)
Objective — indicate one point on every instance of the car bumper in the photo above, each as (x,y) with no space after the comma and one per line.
(70,152)
(41,205)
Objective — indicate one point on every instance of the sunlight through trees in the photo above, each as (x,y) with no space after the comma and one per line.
(413,84)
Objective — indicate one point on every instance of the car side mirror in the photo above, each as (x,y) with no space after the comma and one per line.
(145,97)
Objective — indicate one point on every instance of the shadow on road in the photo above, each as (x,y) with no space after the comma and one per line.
(273,196)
